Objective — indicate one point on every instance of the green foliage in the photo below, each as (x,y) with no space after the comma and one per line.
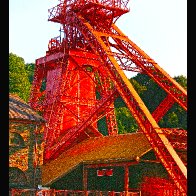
(126,122)
(18,77)
(118,103)
(139,87)
(29,67)
(152,95)
(182,80)
(102,126)
(176,117)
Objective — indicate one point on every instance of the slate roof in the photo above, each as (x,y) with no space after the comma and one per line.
(20,111)
(93,150)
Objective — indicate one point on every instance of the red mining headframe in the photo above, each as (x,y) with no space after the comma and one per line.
(83,74)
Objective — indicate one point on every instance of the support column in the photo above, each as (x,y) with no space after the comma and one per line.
(85,180)
(126,180)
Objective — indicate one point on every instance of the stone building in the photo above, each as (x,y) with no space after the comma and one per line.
(25,144)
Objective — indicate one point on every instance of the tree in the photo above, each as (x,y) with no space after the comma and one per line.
(18,77)
(29,67)
(176,116)
(182,80)
(126,122)
(152,95)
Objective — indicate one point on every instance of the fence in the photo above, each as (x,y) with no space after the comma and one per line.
(53,192)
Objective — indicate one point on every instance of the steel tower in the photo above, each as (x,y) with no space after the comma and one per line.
(83,74)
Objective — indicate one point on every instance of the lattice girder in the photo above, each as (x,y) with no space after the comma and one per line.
(71,136)
(87,42)
(71,89)
(93,10)
(159,142)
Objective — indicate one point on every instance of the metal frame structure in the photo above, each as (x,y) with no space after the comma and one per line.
(83,71)
(158,186)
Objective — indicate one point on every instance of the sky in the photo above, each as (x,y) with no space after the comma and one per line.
(158,27)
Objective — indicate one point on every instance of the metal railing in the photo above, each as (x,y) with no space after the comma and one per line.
(53,192)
